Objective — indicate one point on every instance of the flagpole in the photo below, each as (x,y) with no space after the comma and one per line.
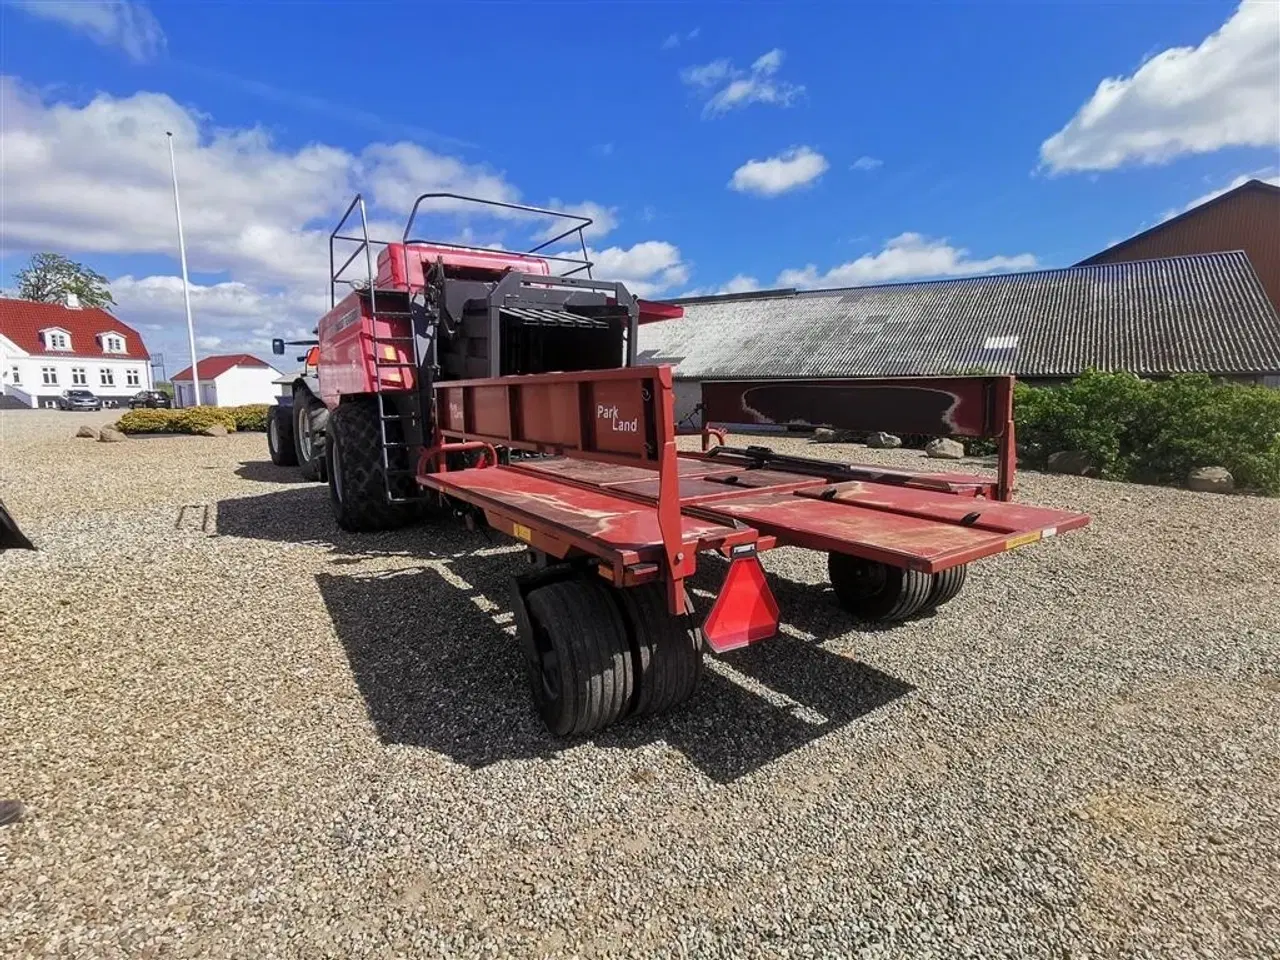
(186,283)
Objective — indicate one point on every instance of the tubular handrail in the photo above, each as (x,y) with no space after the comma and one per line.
(366,244)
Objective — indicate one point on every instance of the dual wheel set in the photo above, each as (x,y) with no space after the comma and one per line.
(295,435)
(595,654)
(879,593)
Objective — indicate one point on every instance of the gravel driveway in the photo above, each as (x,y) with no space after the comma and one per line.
(241,732)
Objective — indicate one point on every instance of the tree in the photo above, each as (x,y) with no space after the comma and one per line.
(49,277)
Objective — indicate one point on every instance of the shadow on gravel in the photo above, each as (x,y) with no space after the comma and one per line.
(433,656)
(264,471)
(433,652)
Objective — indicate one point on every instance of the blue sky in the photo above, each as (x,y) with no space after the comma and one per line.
(720,145)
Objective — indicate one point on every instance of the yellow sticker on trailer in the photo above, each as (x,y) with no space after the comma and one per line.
(1022,540)
(522,532)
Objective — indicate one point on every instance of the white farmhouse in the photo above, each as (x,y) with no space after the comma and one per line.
(228,381)
(46,348)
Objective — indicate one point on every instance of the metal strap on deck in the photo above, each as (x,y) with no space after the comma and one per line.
(535,316)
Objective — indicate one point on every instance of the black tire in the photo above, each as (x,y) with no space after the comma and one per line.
(667,650)
(583,678)
(280,437)
(876,592)
(357,491)
(310,425)
(946,586)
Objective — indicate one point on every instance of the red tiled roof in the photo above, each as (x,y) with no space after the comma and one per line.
(214,367)
(22,320)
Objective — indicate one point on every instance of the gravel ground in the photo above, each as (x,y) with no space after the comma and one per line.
(239,731)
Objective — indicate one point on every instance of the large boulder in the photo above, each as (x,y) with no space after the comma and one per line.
(111,435)
(1075,463)
(87,432)
(884,441)
(213,430)
(828,435)
(944,449)
(1211,480)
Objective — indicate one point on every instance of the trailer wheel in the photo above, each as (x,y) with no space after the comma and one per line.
(280,437)
(310,420)
(583,678)
(946,586)
(667,650)
(877,592)
(357,491)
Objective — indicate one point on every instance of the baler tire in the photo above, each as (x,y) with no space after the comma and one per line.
(581,639)
(667,650)
(353,453)
(310,453)
(877,592)
(946,587)
(280,437)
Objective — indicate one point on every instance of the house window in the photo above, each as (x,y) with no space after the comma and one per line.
(132,379)
(107,376)
(113,343)
(57,340)
(17,375)
(49,376)
(78,377)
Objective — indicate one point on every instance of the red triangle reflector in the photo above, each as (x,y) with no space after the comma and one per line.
(745,611)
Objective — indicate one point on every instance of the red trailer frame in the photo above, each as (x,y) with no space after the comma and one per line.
(617,489)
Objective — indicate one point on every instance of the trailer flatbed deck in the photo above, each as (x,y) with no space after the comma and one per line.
(612,511)
(608,485)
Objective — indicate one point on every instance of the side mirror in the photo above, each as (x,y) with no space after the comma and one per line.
(277,347)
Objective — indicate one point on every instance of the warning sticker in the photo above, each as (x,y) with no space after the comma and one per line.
(522,532)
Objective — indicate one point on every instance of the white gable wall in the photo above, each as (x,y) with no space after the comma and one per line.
(233,388)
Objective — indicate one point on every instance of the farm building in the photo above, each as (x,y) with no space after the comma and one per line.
(1246,218)
(1206,313)
(228,381)
(46,348)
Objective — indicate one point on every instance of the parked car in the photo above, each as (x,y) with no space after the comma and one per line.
(79,400)
(150,398)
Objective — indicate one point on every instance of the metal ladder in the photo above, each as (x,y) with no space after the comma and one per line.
(387,412)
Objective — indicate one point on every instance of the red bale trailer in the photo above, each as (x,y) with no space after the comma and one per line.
(482,383)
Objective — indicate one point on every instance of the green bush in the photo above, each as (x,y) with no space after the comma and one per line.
(252,416)
(189,420)
(195,419)
(146,421)
(1155,431)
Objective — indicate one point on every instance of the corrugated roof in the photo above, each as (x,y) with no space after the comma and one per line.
(213,367)
(1205,313)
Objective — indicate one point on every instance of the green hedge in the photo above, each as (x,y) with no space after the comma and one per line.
(194,419)
(1155,431)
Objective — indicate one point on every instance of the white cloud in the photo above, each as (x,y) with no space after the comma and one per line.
(127,25)
(228,317)
(905,257)
(727,87)
(741,283)
(789,170)
(866,164)
(254,212)
(1223,93)
(674,39)
(647,268)
(603,220)
(1244,178)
